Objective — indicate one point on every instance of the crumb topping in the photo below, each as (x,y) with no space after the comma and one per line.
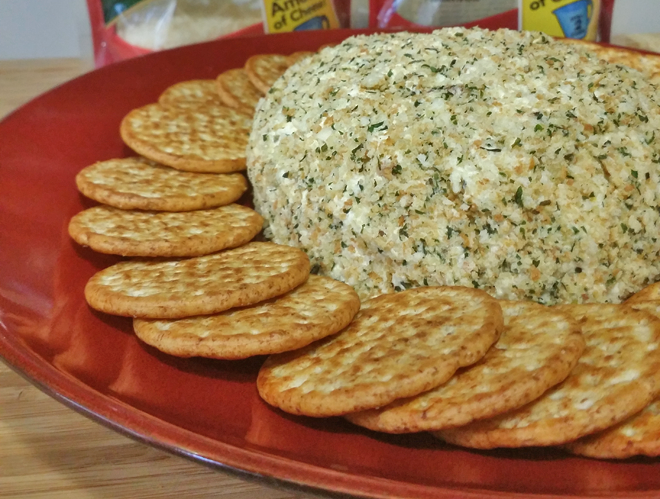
(500,160)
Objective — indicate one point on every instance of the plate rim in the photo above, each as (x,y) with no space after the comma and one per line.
(270,469)
(263,468)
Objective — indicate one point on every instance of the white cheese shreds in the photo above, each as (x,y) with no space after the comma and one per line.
(495,159)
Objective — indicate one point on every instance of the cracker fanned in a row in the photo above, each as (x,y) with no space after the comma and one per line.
(140,184)
(241,88)
(617,376)
(317,308)
(538,348)
(473,370)
(202,285)
(210,138)
(191,93)
(164,234)
(203,125)
(236,90)
(649,293)
(399,345)
(262,295)
(638,435)
(264,69)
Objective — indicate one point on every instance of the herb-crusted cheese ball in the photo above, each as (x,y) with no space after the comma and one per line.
(500,160)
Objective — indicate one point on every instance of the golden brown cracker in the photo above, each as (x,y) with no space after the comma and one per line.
(650,306)
(164,234)
(398,345)
(191,93)
(649,293)
(173,289)
(638,435)
(617,376)
(140,184)
(318,308)
(236,90)
(209,139)
(264,69)
(538,348)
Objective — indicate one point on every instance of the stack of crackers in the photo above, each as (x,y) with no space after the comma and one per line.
(471,370)
(484,373)
(195,281)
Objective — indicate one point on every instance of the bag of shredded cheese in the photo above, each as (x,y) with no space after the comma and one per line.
(127,28)
(582,19)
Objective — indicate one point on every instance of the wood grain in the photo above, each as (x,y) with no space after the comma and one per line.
(22,80)
(48,451)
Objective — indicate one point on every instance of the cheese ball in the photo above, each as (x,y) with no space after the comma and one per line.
(500,160)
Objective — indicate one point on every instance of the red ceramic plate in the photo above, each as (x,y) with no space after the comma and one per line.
(206,410)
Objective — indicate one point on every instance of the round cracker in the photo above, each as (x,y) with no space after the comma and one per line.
(208,284)
(397,346)
(208,138)
(264,69)
(538,348)
(320,307)
(236,90)
(617,376)
(639,435)
(191,93)
(649,293)
(163,234)
(140,184)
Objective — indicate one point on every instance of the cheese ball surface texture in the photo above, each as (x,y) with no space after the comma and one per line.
(500,160)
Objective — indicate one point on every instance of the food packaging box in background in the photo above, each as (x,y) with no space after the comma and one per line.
(582,19)
(282,16)
(127,28)
(491,14)
(122,29)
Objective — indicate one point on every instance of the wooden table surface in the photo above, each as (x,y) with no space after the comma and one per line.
(48,451)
